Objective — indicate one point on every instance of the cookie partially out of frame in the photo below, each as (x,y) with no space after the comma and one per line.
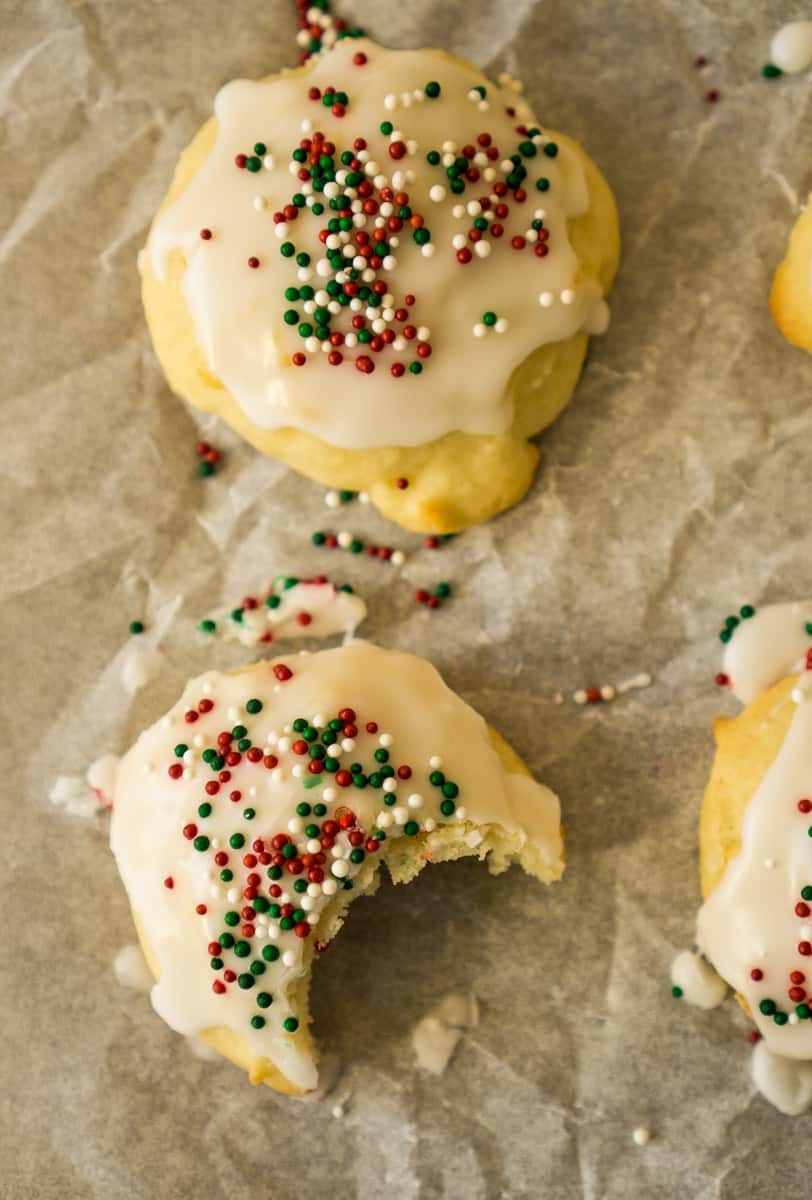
(791,296)
(491,243)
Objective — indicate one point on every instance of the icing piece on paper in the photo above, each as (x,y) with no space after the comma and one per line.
(791,47)
(274,794)
(291,608)
(696,980)
(89,794)
(435,1036)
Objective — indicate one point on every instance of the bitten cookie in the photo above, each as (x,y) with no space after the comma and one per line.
(791,296)
(248,818)
(755,927)
(380,269)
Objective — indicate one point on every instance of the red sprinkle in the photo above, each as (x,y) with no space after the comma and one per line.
(282,672)
(805,805)
(201,910)
(722,680)
(756,974)
(205,234)
(359,59)
(169,882)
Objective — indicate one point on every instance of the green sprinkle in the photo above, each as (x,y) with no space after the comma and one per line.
(226,875)
(236,615)
(443,590)
(245,981)
(261,904)
(273,601)
(803,1011)
(265,999)
(236,841)
(269,953)
(489,318)
(253,706)
(303,810)
(257,967)
(747,611)
(260,148)
(253,164)
(357,855)
(216,964)
(542,184)
(386,128)
(226,940)
(249,813)
(274,872)
(290,1024)
(676,992)
(551,149)
(257,1022)
(286,923)
(432,89)
(300,885)
(806,893)
(180,749)
(415,368)
(780,1018)
(242,949)
(450,790)
(767,1007)
(204,810)
(433,158)
(447,808)
(319,810)
(287,249)
(411,828)
(207,626)
(205,468)
(136,626)
(770,71)
(437,779)
(232,918)
(201,842)
(725,636)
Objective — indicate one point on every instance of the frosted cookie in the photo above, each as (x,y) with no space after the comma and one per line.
(248,818)
(380,269)
(755,927)
(791,295)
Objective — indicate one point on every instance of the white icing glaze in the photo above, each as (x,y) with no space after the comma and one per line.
(411,705)
(700,984)
(88,794)
(131,970)
(767,647)
(238,311)
(756,926)
(791,47)
(306,610)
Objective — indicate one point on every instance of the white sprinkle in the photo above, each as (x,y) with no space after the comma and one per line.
(415,800)
(390,785)
(390,102)
(340,868)
(400,815)
(607,692)
(295,825)
(502,325)
(383,819)
(268,162)
(429,824)
(260,202)
(567,296)
(428,250)
(580,697)
(458,241)
(435,762)
(480,330)
(437,193)
(641,1135)
(398,558)
(458,211)
(290,958)
(233,895)
(461,813)
(769,864)
(344,539)
(298,771)
(329,887)
(546,299)
(482,248)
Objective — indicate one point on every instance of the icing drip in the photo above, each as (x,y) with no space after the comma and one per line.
(239,822)
(131,970)
(785,1083)
(451,260)
(291,609)
(697,981)
(766,647)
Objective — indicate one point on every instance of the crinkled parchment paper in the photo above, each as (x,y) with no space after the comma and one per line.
(675,487)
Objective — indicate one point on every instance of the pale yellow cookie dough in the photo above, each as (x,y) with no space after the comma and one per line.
(448,843)
(791,296)
(456,481)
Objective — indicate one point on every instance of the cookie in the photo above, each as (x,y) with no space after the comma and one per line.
(379,269)
(791,295)
(248,818)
